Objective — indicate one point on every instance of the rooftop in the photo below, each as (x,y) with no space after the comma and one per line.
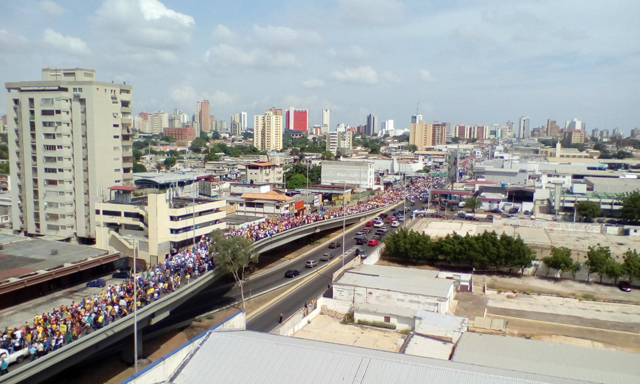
(427,286)
(549,359)
(261,164)
(271,195)
(168,177)
(274,359)
(384,310)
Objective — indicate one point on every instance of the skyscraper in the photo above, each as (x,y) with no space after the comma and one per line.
(425,135)
(372,125)
(415,119)
(204,119)
(267,130)
(243,121)
(297,119)
(157,121)
(326,121)
(235,125)
(523,129)
(70,141)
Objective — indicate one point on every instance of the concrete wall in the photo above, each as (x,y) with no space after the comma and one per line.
(296,322)
(401,322)
(364,295)
(589,228)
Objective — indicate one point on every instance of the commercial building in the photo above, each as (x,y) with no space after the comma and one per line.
(297,119)
(607,185)
(243,121)
(267,130)
(154,223)
(523,127)
(157,121)
(360,173)
(338,141)
(265,204)
(574,136)
(181,135)
(203,110)
(265,172)
(425,135)
(235,125)
(371,128)
(70,139)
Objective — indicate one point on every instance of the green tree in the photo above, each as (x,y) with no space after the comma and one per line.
(215,135)
(631,264)
(326,155)
(588,209)
(597,259)
(560,260)
(232,255)
(137,167)
(630,205)
(5,168)
(473,203)
(170,162)
(296,181)
(614,270)
(199,144)
(412,148)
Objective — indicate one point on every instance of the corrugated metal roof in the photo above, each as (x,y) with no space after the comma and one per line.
(439,324)
(439,288)
(428,347)
(550,359)
(384,310)
(252,357)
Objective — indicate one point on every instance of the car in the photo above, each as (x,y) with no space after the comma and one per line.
(513,216)
(462,215)
(311,263)
(97,283)
(373,242)
(369,224)
(366,230)
(385,229)
(15,357)
(383,215)
(513,210)
(121,275)
(326,257)
(359,251)
(291,273)
(358,234)
(624,286)
(390,219)
(363,255)
(395,224)
(442,208)
(335,244)
(378,224)
(361,241)
(496,210)
(377,237)
(490,217)
(401,219)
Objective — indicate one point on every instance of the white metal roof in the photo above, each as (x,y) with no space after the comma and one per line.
(439,324)
(252,357)
(439,288)
(396,272)
(428,347)
(384,310)
(550,359)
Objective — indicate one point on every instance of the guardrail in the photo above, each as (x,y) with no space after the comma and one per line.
(56,361)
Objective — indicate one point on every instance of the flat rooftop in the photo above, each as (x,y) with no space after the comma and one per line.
(23,255)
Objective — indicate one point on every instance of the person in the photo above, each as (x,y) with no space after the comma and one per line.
(4,366)
(280,321)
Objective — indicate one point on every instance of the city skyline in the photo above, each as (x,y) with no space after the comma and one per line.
(498,61)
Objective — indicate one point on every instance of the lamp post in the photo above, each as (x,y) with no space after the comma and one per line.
(193,201)
(344,218)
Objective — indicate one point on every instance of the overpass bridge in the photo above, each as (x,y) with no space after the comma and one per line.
(71,354)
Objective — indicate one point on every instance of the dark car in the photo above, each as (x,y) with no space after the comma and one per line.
(359,251)
(361,241)
(443,208)
(490,217)
(513,210)
(358,234)
(335,244)
(624,286)
(291,273)
(97,283)
(121,275)
(376,237)
(383,215)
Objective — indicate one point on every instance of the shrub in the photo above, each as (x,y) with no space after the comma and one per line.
(379,324)
(590,296)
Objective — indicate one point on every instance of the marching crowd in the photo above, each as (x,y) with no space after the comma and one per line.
(52,330)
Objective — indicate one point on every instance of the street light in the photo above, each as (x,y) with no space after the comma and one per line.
(135,302)
(193,201)
(344,218)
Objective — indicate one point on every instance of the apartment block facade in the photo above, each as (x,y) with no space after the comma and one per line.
(70,139)
(425,135)
(267,131)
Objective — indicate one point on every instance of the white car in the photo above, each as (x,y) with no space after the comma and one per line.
(378,224)
(15,357)
(395,224)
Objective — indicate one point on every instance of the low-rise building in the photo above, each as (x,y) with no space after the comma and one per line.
(182,135)
(271,203)
(154,223)
(265,172)
(340,172)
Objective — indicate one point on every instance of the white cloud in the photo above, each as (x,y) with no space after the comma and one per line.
(184,95)
(52,8)
(313,84)
(360,75)
(221,98)
(11,41)
(284,37)
(425,75)
(144,24)
(226,55)
(222,33)
(371,12)
(68,44)
(356,53)
(390,77)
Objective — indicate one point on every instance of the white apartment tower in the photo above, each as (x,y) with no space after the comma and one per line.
(523,129)
(243,121)
(338,141)
(326,121)
(70,140)
(267,130)
(157,121)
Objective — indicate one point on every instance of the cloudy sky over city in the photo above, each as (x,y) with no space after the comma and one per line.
(463,62)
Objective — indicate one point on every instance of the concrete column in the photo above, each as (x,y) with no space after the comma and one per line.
(127,355)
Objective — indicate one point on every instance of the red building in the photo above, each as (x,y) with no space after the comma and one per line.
(180,134)
(299,121)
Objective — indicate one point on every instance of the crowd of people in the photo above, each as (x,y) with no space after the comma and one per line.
(52,330)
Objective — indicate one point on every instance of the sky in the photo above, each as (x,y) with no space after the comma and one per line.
(459,61)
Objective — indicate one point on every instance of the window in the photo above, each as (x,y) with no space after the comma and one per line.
(46,112)
(116,136)
(387,319)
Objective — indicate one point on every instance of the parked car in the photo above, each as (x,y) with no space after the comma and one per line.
(378,224)
(291,273)
(361,241)
(359,251)
(377,237)
(311,263)
(395,224)
(97,283)
(462,215)
(326,257)
(121,275)
(513,210)
(624,286)
(335,244)
(373,242)
(490,217)
(369,224)
(358,234)
(366,230)
(15,357)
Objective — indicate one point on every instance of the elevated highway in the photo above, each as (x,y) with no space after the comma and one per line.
(57,361)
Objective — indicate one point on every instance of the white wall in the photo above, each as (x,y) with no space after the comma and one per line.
(401,322)
(352,294)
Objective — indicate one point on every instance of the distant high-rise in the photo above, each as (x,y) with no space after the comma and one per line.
(386,126)
(297,119)
(326,120)
(235,125)
(243,121)
(604,134)
(425,135)
(372,125)
(70,141)
(574,124)
(204,119)
(595,132)
(267,130)
(415,119)
(523,128)
(338,141)
(617,132)
(157,121)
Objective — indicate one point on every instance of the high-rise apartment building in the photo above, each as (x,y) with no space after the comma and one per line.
(70,140)
(604,134)
(157,121)
(386,126)
(415,119)
(141,122)
(425,135)
(523,128)
(574,136)
(338,141)
(297,119)
(574,124)
(203,113)
(372,125)
(326,121)
(243,121)
(635,133)
(595,132)
(617,132)
(267,130)
(235,125)
(3,123)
